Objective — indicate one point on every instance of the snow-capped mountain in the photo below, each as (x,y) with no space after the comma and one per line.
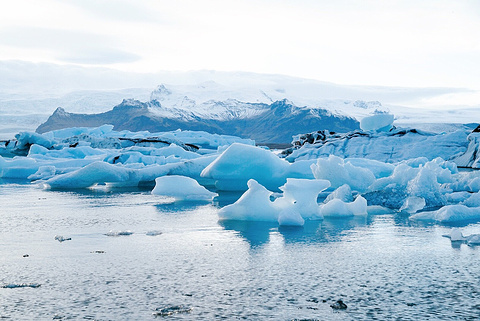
(250,114)
(32,92)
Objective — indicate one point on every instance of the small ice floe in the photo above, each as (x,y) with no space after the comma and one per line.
(153,233)
(21,285)
(119,233)
(98,252)
(171,310)
(181,188)
(339,305)
(456,235)
(62,239)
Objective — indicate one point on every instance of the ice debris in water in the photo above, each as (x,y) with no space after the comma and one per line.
(182,188)
(449,213)
(171,310)
(339,305)
(413,204)
(62,238)
(20,285)
(456,235)
(297,204)
(153,233)
(119,233)
(338,208)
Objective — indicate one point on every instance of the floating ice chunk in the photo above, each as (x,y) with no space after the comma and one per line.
(340,172)
(119,233)
(301,195)
(18,167)
(425,185)
(377,122)
(154,233)
(43,172)
(253,205)
(343,193)
(239,163)
(171,310)
(473,239)
(182,188)
(290,217)
(379,169)
(456,235)
(457,197)
(449,213)
(444,170)
(193,168)
(473,200)
(413,204)
(465,181)
(62,239)
(101,172)
(339,208)
(175,150)
(97,172)
(21,285)
(26,139)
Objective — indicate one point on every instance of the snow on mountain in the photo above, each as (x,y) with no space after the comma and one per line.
(30,92)
(275,123)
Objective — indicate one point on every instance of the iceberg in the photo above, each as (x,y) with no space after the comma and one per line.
(181,188)
(449,214)
(339,172)
(338,208)
(240,163)
(253,205)
(300,196)
(377,122)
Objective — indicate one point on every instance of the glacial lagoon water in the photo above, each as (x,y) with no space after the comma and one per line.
(195,268)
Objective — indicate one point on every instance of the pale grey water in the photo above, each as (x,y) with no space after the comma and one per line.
(382,267)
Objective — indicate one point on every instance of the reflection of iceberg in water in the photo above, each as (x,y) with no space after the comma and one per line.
(313,232)
(328,230)
(225,198)
(178,207)
(255,233)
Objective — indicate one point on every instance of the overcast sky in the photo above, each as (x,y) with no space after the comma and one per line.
(392,43)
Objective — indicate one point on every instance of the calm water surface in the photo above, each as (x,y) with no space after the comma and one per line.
(382,267)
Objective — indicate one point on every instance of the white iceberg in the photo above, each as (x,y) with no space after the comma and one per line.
(240,163)
(340,172)
(338,208)
(300,196)
(449,214)
(253,205)
(181,188)
(377,122)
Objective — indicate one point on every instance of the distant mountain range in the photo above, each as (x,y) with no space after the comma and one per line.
(272,123)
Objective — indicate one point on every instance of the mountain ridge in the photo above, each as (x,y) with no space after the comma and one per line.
(274,123)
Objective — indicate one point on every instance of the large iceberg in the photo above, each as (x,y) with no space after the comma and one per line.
(240,163)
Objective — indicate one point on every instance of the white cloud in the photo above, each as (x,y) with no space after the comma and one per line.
(400,43)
